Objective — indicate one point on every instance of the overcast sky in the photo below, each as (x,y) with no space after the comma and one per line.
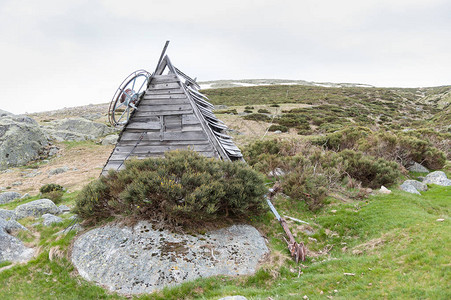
(58,54)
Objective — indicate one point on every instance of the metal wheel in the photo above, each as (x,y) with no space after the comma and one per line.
(127,97)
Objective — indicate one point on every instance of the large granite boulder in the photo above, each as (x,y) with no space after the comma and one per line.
(21,140)
(8,197)
(35,208)
(437,177)
(75,129)
(416,167)
(142,260)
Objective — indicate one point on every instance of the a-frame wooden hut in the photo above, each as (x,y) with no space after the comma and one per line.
(172,115)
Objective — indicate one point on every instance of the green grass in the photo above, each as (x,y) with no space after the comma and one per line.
(411,259)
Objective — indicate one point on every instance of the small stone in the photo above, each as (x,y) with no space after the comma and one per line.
(335,291)
(64,208)
(58,170)
(321,292)
(406,187)
(370,284)
(277,132)
(110,139)
(440,220)
(305,297)
(349,274)
(416,167)
(25,196)
(50,219)
(384,190)
(17,183)
(333,211)
(312,239)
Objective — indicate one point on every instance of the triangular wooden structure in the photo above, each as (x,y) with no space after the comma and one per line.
(172,115)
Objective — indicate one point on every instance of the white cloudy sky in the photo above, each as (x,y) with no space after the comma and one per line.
(58,54)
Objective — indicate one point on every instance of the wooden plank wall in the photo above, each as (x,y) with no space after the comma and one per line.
(164,121)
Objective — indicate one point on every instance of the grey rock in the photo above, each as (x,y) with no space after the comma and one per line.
(58,170)
(50,219)
(8,197)
(12,249)
(53,151)
(416,167)
(233,298)
(420,178)
(63,208)
(25,196)
(75,227)
(110,139)
(32,174)
(21,141)
(75,129)
(141,260)
(13,225)
(438,178)
(35,209)
(407,187)
(6,214)
(419,186)
(17,183)
(277,132)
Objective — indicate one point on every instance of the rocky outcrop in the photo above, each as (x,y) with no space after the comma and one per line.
(438,178)
(21,140)
(35,209)
(141,260)
(8,197)
(75,129)
(110,139)
(6,214)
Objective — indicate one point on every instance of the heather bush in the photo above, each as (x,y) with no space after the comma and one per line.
(184,188)
(370,171)
(53,192)
(257,117)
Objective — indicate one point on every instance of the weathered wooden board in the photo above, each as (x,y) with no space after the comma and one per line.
(167,136)
(163,143)
(164,107)
(190,120)
(144,125)
(163,101)
(169,78)
(146,114)
(162,86)
(168,96)
(165,92)
(159,148)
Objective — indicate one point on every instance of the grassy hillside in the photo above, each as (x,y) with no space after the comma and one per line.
(361,244)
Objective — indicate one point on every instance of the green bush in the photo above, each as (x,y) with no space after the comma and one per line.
(275,127)
(291,120)
(50,188)
(52,191)
(370,171)
(344,139)
(257,117)
(249,107)
(248,111)
(275,105)
(263,111)
(226,111)
(184,188)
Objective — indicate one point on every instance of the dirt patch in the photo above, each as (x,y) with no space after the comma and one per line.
(84,163)
(369,246)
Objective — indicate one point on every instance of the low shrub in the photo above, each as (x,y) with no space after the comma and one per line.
(347,138)
(227,111)
(275,105)
(248,111)
(291,120)
(184,188)
(275,127)
(263,111)
(370,171)
(52,191)
(249,107)
(51,187)
(257,117)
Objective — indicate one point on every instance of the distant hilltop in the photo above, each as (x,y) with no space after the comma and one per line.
(256,82)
